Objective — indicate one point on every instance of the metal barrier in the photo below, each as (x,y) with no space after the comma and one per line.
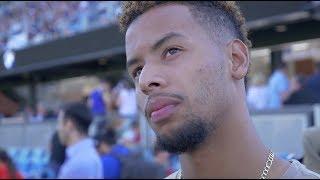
(282,130)
(31,135)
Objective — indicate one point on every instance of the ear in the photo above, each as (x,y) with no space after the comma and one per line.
(239,57)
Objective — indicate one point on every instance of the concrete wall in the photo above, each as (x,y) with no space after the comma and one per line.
(31,135)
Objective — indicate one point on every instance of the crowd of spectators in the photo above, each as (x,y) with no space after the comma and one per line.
(25,23)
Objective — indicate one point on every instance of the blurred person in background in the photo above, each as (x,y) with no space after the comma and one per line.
(57,153)
(98,104)
(278,86)
(257,92)
(300,93)
(127,104)
(86,90)
(120,162)
(131,137)
(313,82)
(82,159)
(161,157)
(7,167)
(111,164)
(115,95)
(188,61)
(137,132)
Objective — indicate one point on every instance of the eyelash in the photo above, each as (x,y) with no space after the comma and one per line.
(167,50)
(134,73)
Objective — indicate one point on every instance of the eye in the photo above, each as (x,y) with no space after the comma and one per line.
(136,73)
(171,51)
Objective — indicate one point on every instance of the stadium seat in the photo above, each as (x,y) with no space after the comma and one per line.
(31,162)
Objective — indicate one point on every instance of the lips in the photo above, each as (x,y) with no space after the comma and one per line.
(160,107)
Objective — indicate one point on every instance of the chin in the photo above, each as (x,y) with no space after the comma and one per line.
(185,135)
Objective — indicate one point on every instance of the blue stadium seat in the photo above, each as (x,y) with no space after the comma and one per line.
(12,152)
(31,162)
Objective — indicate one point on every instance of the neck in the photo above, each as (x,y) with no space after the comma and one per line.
(75,138)
(230,152)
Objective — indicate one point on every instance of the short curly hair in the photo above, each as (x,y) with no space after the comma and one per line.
(216,16)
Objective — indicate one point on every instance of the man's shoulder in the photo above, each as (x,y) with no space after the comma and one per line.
(87,157)
(298,171)
(173,175)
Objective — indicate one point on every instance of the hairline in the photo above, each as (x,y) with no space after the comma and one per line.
(210,31)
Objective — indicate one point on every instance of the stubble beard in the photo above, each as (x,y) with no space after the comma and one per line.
(188,137)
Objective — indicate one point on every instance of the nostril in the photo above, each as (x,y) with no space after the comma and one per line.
(154,84)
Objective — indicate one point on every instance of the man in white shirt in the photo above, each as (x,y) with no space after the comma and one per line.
(127,100)
(127,104)
(82,159)
(257,92)
(278,87)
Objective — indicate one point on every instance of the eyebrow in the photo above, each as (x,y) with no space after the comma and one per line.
(164,39)
(156,45)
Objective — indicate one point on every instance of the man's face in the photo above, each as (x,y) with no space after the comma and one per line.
(105,86)
(180,75)
(103,148)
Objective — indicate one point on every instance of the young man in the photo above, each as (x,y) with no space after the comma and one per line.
(98,105)
(278,87)
(111,164)
(82,160)
(188,61)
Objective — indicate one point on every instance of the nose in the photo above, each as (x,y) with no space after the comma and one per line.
(151,79)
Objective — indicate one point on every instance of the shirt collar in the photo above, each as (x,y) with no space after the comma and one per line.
(81,145)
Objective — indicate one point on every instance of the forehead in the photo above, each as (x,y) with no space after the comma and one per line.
(158,21)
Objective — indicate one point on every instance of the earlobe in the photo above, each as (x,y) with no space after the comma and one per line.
(239,57)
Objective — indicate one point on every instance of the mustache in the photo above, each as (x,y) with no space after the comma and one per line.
(172,95)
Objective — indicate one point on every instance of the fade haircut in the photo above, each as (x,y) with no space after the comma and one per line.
(217,17)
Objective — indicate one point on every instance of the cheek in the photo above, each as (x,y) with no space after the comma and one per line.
(209,88)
